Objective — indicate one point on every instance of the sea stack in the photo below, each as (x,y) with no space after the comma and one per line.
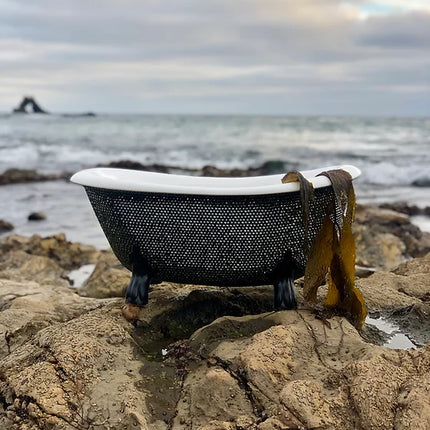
(28,100)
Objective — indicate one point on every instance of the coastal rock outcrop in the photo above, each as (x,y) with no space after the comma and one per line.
(199,357)
(279,370)
(29,101)
(267,168)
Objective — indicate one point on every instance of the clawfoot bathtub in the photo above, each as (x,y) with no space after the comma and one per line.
(207,231)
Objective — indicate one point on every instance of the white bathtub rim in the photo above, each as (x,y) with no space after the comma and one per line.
(150,182)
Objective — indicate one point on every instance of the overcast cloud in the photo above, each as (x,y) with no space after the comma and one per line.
(216,56)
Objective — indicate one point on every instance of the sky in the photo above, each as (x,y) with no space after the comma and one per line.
(271,57)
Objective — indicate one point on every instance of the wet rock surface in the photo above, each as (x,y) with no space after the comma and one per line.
(36,216)
(205,357)
(5,226)
(19,176)
(402,297)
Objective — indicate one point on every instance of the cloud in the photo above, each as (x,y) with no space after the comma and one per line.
(396,32)
(191,55)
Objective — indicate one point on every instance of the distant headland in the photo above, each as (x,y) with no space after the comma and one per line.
(35,108)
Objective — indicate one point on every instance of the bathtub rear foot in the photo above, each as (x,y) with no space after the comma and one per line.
(285,296)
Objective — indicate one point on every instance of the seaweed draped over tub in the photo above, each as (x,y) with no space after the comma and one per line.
(332,252)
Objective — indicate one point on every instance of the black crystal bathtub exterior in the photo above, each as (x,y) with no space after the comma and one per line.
(208,239)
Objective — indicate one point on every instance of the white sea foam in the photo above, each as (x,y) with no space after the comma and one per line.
(386,173)
(25,155)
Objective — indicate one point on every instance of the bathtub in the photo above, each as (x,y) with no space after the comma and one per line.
(207,231)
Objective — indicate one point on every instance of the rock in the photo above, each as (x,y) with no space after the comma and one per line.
(68,255)
(278,370)
(5,226)
(402,297)
(210,393)
(18,176)
(109,278)
(36,216)
(134,165)
(20,266)
(79,374)
(28,306)
(421,182)
(196,357)
(80,115)
(403,207)
(385,238)
(267,168)
(301,372)
(408,284)
(22,108)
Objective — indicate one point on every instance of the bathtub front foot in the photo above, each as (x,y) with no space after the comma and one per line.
(284,294)
(138,288)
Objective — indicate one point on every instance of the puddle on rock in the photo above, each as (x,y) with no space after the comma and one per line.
(79,276)
(394,337)
(161,377)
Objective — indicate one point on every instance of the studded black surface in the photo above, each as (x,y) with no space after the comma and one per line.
(208,240)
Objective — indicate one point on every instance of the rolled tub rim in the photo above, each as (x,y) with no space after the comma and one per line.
(142,181)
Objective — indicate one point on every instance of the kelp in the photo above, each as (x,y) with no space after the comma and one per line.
(332,252)
(306,197)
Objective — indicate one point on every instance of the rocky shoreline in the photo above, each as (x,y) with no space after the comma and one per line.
(211,358)
(19,176)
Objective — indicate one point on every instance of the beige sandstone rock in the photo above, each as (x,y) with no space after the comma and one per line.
(20,266)
(109,278)
(68,255)
(26,307)
(333,378)
(384,238)
(408,284)
(79,374)
(72,362)
(267,371)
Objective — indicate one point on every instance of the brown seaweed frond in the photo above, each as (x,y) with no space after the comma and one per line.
(306,197)
(332,252)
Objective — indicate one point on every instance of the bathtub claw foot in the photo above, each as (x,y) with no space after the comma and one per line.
(285,296)
(138,288)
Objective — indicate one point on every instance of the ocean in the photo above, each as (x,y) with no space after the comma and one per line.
(393,154)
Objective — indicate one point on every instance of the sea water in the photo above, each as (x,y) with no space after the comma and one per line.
(393,154)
